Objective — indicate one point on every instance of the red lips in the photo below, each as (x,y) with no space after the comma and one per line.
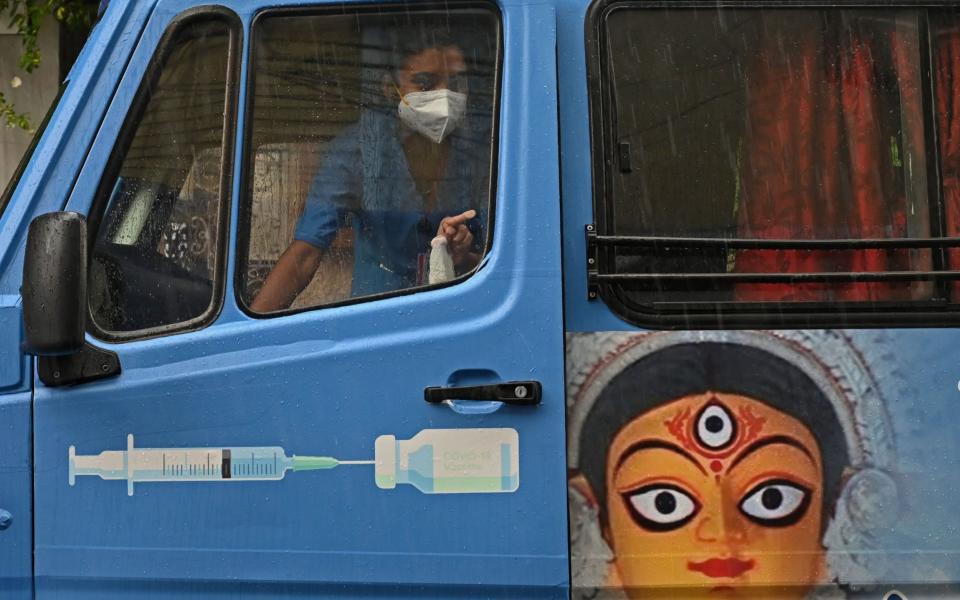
(722,567)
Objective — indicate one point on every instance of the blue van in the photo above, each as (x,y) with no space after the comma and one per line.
(617,299)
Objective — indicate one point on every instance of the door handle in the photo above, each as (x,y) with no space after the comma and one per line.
(520,393)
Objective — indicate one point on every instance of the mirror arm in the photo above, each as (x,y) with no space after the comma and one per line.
(86,364)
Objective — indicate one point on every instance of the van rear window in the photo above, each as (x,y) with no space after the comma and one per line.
(763,160)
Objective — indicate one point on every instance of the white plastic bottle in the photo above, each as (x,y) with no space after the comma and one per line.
(451,461)
(441,263)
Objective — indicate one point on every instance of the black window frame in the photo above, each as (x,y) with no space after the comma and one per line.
(131,123)
(601,241)
(246,184)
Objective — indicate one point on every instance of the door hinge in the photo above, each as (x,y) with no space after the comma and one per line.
(593,278)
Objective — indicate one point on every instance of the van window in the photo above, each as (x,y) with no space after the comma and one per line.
(371,133)
(158,244)
(736,140)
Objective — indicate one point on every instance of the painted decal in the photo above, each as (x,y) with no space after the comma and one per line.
(435,461)
(758,464)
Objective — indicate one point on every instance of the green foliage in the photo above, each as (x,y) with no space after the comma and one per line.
(11,116)
(26,17)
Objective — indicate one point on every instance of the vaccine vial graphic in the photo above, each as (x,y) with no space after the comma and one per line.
(450,461)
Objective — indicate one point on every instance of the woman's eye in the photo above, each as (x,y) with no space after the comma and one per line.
(424,81)
(776,503)
(661,507)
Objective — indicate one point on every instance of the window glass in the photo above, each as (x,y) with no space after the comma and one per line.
(155,255)
(780,124)
(370,154)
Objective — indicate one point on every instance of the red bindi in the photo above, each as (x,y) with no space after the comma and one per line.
(716,466)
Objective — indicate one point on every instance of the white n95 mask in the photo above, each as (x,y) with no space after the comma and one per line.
(433,114)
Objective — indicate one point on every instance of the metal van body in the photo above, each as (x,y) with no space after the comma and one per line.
(518,516)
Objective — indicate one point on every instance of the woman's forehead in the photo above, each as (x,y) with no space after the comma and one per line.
(435,59)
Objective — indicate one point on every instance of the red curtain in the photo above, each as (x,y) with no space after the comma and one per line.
(822,154)
(947,89)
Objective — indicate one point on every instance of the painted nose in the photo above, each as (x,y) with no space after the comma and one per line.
(713,527)
(708,530)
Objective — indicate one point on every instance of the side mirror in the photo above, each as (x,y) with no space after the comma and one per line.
(55,284)
(55,303)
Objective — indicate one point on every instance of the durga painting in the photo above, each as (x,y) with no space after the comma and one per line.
(725,464)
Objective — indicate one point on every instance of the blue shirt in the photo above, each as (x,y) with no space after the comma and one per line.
(365,178)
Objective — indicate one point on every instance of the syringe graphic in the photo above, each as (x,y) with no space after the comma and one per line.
(435,461)
(244,463)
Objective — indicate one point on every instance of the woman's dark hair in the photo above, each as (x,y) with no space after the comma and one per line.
(415,37)
(697,368)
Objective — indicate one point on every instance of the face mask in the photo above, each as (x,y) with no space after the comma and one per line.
(433,114)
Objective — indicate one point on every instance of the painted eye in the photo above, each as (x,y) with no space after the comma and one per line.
(661,507)
(716,429)
(776,503)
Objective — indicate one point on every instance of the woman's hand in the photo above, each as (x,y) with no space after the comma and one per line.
(459,238)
